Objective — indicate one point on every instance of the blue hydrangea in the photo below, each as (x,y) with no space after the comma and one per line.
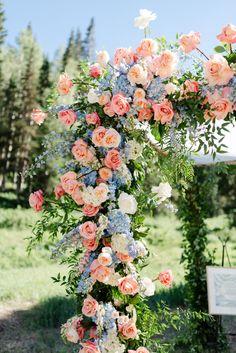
(108,321)
(89,179)
(133,249)
(156,89)
(122,84)
(118,222)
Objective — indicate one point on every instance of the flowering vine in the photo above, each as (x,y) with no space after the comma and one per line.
(144,101)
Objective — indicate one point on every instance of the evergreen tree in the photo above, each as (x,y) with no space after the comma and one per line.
(89,42)
(44,82)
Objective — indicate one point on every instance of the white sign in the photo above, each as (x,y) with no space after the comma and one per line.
(221,287)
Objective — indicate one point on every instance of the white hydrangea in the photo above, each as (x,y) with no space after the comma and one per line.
(114,279)
(163,191)
(144,18)
(133,150)
(111,343)
(120,243)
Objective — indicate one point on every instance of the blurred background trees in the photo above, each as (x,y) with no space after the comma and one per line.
(27,76)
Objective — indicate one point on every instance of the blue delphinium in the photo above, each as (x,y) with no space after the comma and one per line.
(118,222)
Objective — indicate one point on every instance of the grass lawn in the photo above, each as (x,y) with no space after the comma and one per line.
(32,307)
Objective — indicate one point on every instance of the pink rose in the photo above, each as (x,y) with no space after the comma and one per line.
(89,347)
(93,119)
(129,330)
(142,350)
(105,173)
(163,112)
(189,86)
(36,200)
(64,84)
(228,34)
(120,104)
(147,47)
(59,191)
(145,114)
(166,64)
(166,278)
(95,71)
(90,244)
(67,117)
(66,178)
(111,139)
(217,70)
(128,285)
(99,272)
(98,135)
(38,116)
(124,54)
(90,306)
(220,107)
(113,159)
(108,110)
(81,152)
(189,42)
(88,230)
(137,74)
(90,210)
(77,196)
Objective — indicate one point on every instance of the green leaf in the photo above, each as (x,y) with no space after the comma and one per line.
(219,49)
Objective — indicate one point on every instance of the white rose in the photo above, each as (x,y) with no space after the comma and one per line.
(147,287)
(127,203)
(141,248)
(102,58)
(92,96)
(145,17)
(163,191)
(170,88)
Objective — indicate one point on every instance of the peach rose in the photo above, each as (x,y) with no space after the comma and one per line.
(102,58)
(189,86)
(99,272)
(90,244)
(163,112)
(72,186)
(220,107)
(125,54)
(88,230)
(81,152)
(95,71)
(90,306)
(77,197)
(104,98)
(66,178)
(89,347)
(67,117)
(36,200)
(166,64)
(38,116)
(98,135)
(147,47)
(124,257)
(217,70)
(100,192)
(128,285)
(142,350)
(93,119)
(64,84)
(166,278)
(139,93)
(113,159)
(59,191)
(108,110)
(137,74)
(228,34)
(111,139)
(105,173)
(189,42)
(129,330)
(145,114)
(120,104)
(90,210)
(105,259)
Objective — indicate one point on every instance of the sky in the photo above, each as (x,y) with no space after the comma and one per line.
(52,20)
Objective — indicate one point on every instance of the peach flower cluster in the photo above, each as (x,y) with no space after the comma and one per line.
(217,70)
(64,84)
(38,116)
(163,111)
(82,152)
(108,138)
(189,42)
(67,117)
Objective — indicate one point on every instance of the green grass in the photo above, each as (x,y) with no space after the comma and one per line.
(29,297)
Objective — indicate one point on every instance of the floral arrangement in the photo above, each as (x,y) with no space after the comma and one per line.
(142,102)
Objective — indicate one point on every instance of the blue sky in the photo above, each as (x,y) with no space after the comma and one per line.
(52,20)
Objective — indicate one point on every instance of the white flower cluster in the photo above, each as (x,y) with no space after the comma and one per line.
(112,343)
(163,192)
(133,150)
(95,196)
(120,243)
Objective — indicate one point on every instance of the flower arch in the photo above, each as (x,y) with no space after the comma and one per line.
(155,99)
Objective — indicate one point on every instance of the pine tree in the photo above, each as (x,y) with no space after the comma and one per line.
(69,52)
(89,42)
(3,32)
(44,82)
